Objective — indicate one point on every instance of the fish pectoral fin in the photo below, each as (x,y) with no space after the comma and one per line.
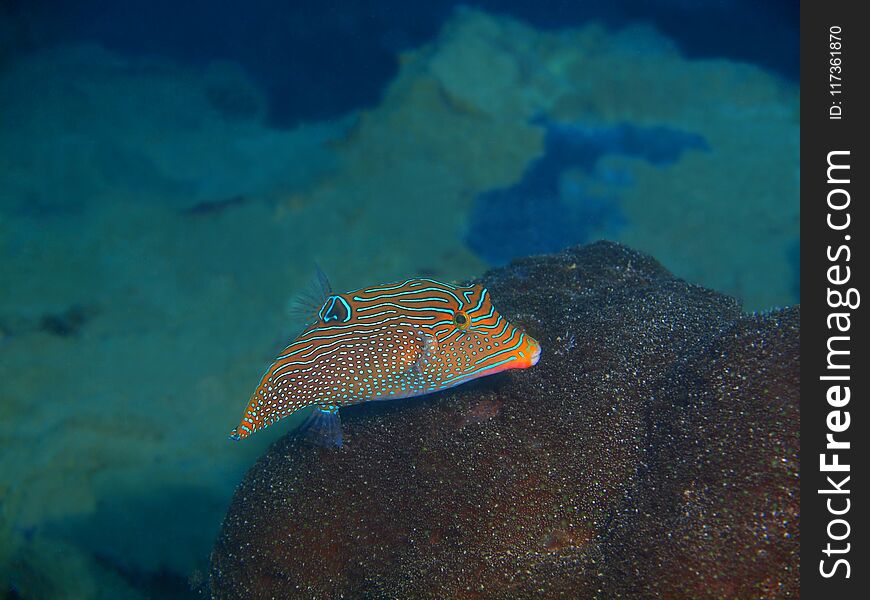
(410,377)
(323,427)
(428,347)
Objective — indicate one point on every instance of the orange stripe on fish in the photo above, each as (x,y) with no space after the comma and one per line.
(391,341)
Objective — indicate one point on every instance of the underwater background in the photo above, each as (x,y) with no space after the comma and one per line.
(171,172)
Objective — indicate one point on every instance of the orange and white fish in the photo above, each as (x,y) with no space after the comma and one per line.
(379,343)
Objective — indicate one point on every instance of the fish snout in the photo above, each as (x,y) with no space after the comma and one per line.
(531,354)
(536,354)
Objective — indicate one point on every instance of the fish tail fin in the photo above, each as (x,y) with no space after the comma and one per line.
(246,426)
(256,415)
(323,427)
(244,429)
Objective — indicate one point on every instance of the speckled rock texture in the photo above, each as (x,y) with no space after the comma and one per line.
(652,453)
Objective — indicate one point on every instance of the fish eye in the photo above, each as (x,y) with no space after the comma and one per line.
(460,319)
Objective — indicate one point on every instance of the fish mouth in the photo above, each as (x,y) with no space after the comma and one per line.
(536,356)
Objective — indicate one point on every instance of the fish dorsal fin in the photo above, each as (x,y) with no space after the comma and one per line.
(306,305)
(323,281)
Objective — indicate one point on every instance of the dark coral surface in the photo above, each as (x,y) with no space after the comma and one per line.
(652,453)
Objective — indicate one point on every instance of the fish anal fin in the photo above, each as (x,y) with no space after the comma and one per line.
(323,427)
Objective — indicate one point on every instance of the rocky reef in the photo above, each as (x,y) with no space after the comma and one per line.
(653,452)
(154,225)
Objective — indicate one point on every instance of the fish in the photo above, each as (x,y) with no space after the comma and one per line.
(386,342)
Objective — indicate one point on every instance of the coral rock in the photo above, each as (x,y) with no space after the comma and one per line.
(651,453)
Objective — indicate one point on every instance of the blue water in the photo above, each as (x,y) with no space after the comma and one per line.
(171,172)
(321,59)
(545,211)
